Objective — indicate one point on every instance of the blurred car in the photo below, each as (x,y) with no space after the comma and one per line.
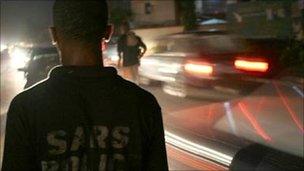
(210,64)
(41,61)
(262,131)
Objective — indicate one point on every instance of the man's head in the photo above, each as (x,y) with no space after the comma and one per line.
(79,28)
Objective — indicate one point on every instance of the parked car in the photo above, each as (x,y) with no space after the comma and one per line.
(210,63)
(42,60)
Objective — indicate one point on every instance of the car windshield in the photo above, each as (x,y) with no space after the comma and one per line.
(227,74)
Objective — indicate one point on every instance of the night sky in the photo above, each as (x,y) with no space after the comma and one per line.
(25,20)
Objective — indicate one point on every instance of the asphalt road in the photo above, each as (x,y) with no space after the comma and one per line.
(12,82)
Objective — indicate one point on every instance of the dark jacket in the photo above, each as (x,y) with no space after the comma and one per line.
(84,118)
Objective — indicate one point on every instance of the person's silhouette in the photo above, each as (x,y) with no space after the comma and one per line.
(84,116)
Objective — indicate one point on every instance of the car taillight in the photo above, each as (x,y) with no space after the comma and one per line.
(251,65)
(198,68)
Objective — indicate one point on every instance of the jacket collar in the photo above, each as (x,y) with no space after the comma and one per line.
(82,71)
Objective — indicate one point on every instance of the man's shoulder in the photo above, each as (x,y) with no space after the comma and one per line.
(141,94)
(134,88)
(32,93)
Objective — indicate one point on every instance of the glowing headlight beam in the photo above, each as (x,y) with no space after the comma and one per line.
(19,57)
(197,149)
(3,47)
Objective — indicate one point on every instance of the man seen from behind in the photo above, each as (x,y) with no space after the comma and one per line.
(84,116)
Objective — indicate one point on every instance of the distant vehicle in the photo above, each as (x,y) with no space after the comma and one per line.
(42,60)
(210,64)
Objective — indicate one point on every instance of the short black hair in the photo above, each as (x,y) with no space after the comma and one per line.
(81,20)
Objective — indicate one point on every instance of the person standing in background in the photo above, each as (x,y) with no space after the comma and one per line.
(130,49)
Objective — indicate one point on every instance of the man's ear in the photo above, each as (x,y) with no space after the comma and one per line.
(53,34)
(109,32)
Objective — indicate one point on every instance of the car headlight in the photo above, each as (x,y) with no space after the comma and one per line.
(3,47)
(19,57)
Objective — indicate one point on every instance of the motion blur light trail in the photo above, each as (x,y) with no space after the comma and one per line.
(192,160)
(199,68)
(254,122)
(251,65)
(299,91)
(290,111)
(197,149)
(229,114)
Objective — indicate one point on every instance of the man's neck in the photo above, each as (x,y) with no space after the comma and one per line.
(89,60)
(80,57)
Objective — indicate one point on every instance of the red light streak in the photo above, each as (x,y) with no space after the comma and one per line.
(251,65)
(290,111)
(191,160)
(199,68)
(254,122)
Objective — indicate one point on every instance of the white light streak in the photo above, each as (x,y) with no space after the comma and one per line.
(230,116)
(197,148)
